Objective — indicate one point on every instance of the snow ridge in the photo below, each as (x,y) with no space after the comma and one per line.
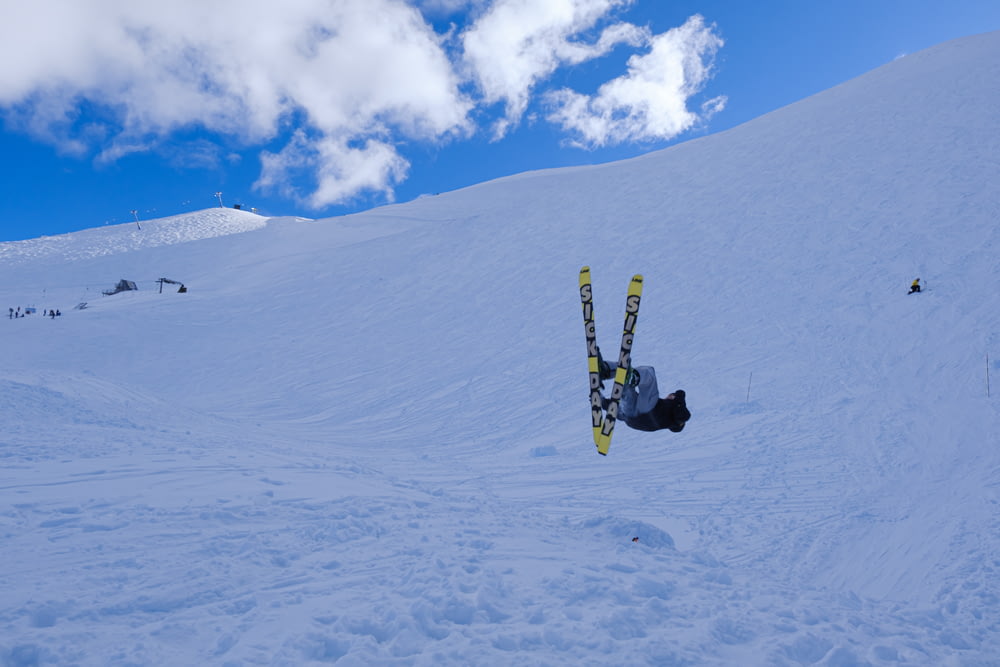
(118,239)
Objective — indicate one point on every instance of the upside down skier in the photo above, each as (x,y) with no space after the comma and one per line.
(641,407)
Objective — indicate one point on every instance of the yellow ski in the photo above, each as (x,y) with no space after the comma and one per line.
(603,438)
(587,298)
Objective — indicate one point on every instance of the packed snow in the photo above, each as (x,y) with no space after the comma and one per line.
(366,440)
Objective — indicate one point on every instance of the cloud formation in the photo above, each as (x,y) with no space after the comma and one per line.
(650,100)
(519,43)
(341,85)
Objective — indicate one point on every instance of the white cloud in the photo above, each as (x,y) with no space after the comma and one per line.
(350,80)
(517,44)
(335,169)
(354,70)
(651,100)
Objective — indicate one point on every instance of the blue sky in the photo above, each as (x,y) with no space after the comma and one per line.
(324,107)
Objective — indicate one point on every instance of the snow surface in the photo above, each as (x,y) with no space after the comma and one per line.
(366,440)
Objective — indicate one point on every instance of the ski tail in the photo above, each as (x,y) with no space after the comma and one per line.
(587,300)
(603,437)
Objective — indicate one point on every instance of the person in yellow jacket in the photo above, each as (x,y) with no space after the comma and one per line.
(915,287)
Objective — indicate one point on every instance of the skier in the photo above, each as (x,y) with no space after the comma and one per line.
(915,287)
(641,407)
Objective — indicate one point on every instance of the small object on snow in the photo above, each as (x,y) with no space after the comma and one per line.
(635,539)
(122,286)
(182,289)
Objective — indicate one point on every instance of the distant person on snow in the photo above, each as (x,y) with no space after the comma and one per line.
(915,287)
(641,407)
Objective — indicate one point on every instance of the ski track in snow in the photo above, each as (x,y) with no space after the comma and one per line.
(207,548)
(365,440)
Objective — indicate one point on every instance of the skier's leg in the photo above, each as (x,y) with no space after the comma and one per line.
(641,397)
(646,392)
(626,407)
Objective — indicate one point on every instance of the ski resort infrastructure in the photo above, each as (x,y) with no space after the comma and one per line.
(366,440)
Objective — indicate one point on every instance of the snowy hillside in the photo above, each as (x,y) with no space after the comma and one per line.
(365,440)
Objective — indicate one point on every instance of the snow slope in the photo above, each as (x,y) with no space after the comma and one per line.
(365,440)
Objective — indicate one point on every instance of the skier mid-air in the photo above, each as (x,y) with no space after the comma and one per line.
(635,398)
(641,407)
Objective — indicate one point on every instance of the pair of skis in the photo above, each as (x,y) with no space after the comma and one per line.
(603,421)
